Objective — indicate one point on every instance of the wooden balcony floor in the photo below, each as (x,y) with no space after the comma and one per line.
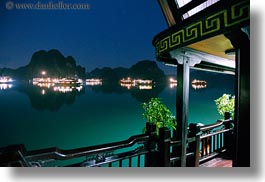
(217,162)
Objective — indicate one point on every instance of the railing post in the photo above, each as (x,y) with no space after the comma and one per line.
(194,131)
(164,147)
(12,156)
(151,156)
(228,136)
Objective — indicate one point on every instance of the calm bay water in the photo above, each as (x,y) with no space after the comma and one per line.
(40,118)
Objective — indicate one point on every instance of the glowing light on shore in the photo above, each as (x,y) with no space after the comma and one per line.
(127,85)
(93,81)
(43,73)
(172,80)
(140,83)
(172,83)
(126,81)
(59,85)
(6,79)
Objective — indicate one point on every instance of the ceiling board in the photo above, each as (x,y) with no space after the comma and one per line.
(215,46)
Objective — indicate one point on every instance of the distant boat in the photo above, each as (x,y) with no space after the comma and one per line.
(198,84)
(140,83)
(70,81)
(58,81)
(172,80)
(93,81)
(6,79)
(135,81)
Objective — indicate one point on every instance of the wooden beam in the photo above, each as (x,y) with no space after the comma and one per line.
(167,12)
(220,18)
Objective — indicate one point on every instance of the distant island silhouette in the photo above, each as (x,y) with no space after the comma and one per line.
(52,62)
(55,64)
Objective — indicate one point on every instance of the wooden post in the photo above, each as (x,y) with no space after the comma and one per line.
(228,136)
(151,156)
(182,102)
(164,147)
(194,130)
(240,40)
(11,156)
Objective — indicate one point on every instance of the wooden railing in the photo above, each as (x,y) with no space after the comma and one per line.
(99,155)
(145,150)
(211,140)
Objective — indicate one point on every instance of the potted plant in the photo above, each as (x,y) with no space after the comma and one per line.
(157,113)
(226,103)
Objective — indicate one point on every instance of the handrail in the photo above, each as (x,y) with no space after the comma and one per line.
(214,125)
(114,158)
(215,133)
(59,154)
(203,128)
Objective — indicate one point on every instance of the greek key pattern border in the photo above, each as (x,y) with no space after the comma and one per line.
(210,25)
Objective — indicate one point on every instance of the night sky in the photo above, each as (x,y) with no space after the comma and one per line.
(111,33)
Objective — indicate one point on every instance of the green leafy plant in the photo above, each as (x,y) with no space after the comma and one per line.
(225,103)
(157,113)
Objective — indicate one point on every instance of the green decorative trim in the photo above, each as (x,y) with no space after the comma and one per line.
(209,26)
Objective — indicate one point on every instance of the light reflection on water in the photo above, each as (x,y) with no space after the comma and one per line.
(5,86)
(41,117)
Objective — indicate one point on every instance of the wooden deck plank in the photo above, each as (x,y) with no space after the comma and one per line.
(217,162)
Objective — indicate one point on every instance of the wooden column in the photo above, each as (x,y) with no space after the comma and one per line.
(182,105)
(240,41)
